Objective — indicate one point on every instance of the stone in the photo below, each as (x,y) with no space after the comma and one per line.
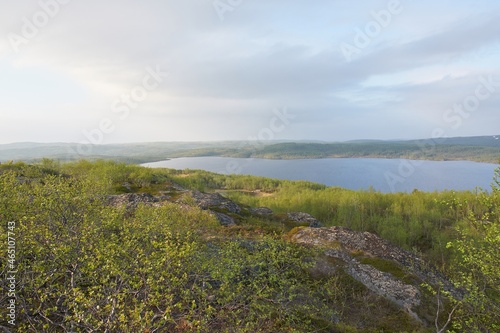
(132,200)
(215,201)
(304,218)
(348,246)
(224,219)
(375,246)
(261,211)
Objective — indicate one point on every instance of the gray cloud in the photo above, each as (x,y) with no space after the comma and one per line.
(264,54)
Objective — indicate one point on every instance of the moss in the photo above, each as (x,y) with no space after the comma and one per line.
(292,233)
(265,224)
(389,266)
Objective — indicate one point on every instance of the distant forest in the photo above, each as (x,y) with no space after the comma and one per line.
(479,149)
(360,150)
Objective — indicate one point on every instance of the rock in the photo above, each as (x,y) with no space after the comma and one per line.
(215,201)
(262,211)
(323,267)
(304,218)
(382,283)
(348,246)
(374,246)
(132,200)
(224,219)
(352,240)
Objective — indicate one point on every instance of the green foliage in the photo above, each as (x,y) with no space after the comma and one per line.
(416,221)
(86,266)
(204,180)
(476,266)
(480,151)
(266,282)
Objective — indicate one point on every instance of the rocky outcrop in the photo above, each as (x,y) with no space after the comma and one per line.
(218,206)
(215,201)
(353,241)
(224,209)
(224,219)
(132,200)
(304,218)
(372,245)
(350,247)
(405,295)
(261,211)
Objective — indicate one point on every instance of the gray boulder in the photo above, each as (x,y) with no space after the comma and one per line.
(132,200)
(304,218)
(262,211)
(224,219)
(215,201)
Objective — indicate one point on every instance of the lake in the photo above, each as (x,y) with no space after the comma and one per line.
(384,175)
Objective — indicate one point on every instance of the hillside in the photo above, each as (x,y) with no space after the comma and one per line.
(102,246)
(479,149)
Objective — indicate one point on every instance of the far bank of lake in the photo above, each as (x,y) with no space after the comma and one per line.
(385,175)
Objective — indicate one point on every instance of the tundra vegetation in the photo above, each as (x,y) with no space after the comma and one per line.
(84,265)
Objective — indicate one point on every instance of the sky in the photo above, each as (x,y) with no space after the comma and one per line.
(120,71)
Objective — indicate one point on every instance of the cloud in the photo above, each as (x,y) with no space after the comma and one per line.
(230,74)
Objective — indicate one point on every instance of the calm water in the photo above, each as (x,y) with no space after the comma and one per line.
(385,175)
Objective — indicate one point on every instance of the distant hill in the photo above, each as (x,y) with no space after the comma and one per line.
(129,152)
(483,141)
(477,148)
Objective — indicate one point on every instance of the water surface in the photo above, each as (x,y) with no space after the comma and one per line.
(385,175)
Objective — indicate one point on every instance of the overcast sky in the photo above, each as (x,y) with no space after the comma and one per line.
(79,71)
